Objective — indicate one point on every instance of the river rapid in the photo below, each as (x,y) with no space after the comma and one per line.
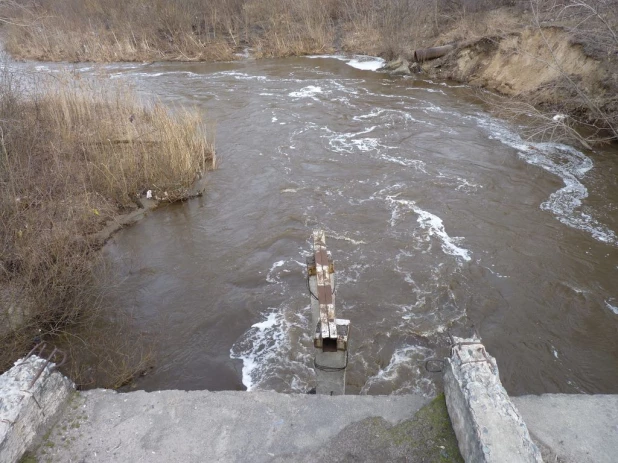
(439,217)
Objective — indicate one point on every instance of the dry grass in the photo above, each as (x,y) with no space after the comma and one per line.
(278,28)
(111,30)
(133,30)
(73,155)
(186,30)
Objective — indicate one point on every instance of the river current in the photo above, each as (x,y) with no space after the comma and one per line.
(439,217)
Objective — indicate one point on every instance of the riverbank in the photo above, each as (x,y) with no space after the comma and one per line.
(544,79)
(79,160)
(552,59)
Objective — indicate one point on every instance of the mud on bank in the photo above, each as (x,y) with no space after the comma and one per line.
(546,72)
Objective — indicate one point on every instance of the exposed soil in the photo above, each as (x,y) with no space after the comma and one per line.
(544,66)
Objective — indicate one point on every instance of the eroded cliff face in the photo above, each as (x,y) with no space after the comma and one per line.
(545,65)
(522,63)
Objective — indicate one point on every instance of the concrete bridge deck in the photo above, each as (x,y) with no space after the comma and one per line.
(202,426)
(40,411)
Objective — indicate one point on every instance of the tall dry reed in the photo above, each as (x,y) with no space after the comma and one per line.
(73,155)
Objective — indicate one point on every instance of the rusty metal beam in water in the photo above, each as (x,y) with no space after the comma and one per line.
(331,334)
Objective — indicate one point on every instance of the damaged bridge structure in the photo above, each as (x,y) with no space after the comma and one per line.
(43,418)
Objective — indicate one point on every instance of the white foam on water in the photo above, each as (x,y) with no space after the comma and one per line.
(366,144)
(391,116)
(349,143)
(493,272)
(263,343)
(240,75)
(337,57)
(465,185)
(415,163)
(462,183)
(567,163)
(336,236)
(431,223)
(347,86)
(125,66)
(270,275)
(449,85)
(276,352)
(289,190)
(611,307)
(433,108)
(429,90)
(307,92)
(362,62)
(434,225)
(366,63)
(406,362)
(158,74)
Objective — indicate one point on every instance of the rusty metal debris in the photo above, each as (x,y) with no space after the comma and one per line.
(331,334)
(39,350)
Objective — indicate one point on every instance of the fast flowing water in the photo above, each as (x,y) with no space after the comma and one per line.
(438,216)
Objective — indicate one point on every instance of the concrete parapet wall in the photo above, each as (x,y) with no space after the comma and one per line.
(27,408)
(489,428)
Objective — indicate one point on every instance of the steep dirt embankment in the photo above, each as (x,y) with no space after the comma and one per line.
(545,66)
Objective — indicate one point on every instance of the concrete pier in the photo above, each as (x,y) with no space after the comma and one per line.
(488,426)
(31,396)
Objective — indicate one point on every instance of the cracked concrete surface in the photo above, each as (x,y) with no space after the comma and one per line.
(198,426)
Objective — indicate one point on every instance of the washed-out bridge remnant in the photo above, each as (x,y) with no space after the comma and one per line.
(331,333)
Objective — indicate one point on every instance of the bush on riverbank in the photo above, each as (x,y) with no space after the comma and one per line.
(73,155)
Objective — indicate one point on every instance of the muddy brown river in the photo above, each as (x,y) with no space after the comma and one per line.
(440,218)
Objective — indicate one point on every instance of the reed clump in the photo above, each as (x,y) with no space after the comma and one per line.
(74,154)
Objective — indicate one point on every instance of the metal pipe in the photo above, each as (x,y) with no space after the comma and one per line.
(425,54)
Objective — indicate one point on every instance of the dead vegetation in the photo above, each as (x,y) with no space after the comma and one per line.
(133,30)
(185,30)
(73,155)
(557,62)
